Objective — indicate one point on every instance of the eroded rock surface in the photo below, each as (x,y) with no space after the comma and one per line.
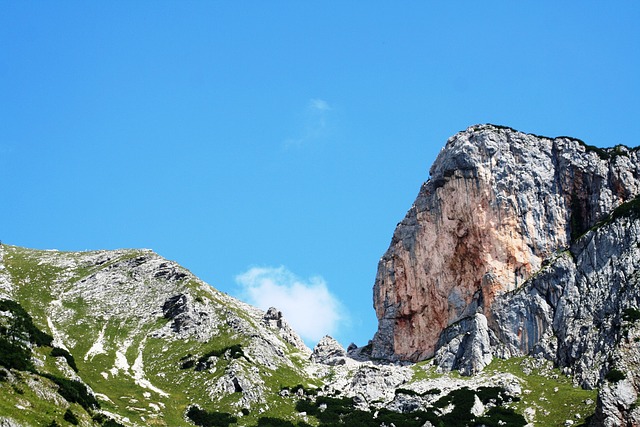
(328,351)
(273,319)
(521,245)
(498,203)
(465,346)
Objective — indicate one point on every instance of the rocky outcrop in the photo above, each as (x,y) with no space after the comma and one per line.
(581,310)
(7,422)
(619,395)
(465,346)
(521,245)
(573,310)
(498,204)
(328,351)
(273,319)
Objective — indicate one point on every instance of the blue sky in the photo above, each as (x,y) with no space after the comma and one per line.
(271,147)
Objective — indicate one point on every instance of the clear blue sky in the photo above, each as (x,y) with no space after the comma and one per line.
(271,147)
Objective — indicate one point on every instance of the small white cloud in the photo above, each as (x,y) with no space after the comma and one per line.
(319,105)
(314,124)
(307,305)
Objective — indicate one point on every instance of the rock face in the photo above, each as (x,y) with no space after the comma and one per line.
(329,352)
(274,319)
(498,203)
(465,346)
(520,245)
(573,311)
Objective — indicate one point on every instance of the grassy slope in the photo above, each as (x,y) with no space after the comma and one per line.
(35,284)
(551,394)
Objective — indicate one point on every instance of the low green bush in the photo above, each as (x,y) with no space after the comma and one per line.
(499,416)
(631,314)
(615,375)
(14,355)
(235,352)
(57,352)
(74,391)
(22,324)
(70,417)
(274,422)
(203,418)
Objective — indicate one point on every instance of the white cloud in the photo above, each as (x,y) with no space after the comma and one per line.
(314,125)
(307,305)
(319,105)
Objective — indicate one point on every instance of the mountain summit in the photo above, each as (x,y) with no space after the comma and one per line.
(509,295)
(517,245)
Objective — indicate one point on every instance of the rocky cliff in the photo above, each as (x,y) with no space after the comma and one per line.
(518,245)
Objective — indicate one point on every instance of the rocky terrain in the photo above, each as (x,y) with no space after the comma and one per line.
(127,338)
(508,296)
(519,245)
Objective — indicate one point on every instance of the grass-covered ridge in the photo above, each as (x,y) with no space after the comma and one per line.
(134,370)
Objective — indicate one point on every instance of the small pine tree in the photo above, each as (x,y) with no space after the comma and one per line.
(70,417)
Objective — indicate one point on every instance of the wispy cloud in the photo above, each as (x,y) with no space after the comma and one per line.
(314,124)
(319,105)
(307,304)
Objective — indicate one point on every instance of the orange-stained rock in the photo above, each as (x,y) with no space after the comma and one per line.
(497,204)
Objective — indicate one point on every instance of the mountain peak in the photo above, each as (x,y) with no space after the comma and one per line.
(509,227)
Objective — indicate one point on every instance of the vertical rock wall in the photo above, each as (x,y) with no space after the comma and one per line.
(498,203)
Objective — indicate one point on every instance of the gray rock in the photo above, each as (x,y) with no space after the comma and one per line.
(371,383)
(328,351)
(499,203)
(541,236)
(273,319)
(8,422)
(465,346)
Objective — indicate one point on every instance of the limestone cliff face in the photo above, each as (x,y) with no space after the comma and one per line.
(581,311)
(498,205)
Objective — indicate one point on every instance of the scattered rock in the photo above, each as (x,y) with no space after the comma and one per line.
(478,408)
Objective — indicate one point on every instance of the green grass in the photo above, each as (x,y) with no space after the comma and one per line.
(424,370)
(24,402)
(33,283)
(552,394)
